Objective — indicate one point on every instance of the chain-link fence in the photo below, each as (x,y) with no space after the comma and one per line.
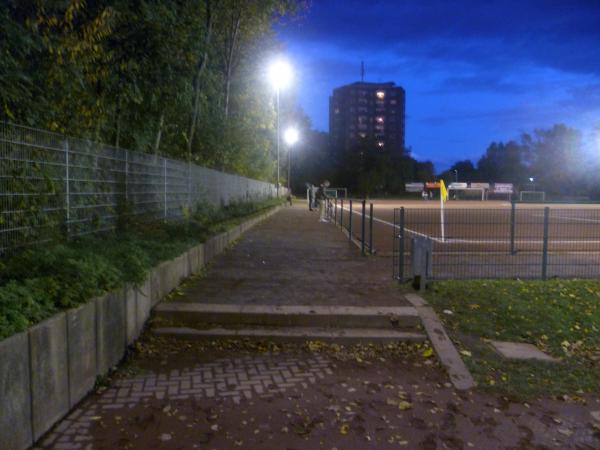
(52,184)
(542,242)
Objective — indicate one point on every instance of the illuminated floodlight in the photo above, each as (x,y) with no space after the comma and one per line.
(280,74)
(531,179)
(291,136)
(380,95)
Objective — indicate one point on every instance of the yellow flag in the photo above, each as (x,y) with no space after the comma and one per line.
(443,191)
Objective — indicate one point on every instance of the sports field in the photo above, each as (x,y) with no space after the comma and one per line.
(485,238)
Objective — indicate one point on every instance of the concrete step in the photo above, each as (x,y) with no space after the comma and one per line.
(296,334)
(198,315)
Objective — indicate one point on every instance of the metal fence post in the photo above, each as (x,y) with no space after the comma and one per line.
(189,187)
(370,228)
(342,214)
(165,187)
(401,246)
(126,174)
(545,245)
(512,227)
(350,222)
(362,229)
(335,211)
(67,190)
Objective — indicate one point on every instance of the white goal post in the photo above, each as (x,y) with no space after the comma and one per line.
(532,196)
(467,189)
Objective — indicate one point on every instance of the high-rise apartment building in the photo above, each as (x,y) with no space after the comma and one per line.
(367,113)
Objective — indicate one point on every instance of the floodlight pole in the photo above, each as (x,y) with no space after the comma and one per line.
(277,95)
(289,177)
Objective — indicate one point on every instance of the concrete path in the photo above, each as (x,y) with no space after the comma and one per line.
(292,259)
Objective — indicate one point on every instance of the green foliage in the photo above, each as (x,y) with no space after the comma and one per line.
(38,282)
(558,316)
(154,75)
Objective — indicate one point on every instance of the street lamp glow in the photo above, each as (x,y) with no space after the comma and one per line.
(280,74)
(291,136)
(531,179)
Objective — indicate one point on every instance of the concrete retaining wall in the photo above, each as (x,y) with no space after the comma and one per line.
(48,369)
(15,392)
(81,332)
(49,373)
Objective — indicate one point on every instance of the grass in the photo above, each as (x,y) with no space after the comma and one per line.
(38,282)
(560,317)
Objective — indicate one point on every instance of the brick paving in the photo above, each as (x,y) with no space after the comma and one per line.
(231,379)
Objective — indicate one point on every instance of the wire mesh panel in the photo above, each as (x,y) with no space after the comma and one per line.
(501,242)
(356,217)
(51,185)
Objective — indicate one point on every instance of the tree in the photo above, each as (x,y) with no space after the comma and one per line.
(180,78)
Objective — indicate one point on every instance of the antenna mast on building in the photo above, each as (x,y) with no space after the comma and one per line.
(362,71)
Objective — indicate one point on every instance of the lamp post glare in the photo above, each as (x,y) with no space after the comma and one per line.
(290,136)
(280,75)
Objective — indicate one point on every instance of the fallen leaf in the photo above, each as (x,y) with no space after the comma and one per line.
(428,353)
(404,405)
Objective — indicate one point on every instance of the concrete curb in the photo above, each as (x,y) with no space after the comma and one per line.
(448,355)
(49,368)
(223,315)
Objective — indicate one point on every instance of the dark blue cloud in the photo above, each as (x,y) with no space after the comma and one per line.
(474,71)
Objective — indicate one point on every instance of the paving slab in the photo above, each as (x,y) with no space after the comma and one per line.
(293,259)
(522,351)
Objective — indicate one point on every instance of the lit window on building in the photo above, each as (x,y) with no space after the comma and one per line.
(393,102)
(362,135)
(337,110)
(380,95)
(379,119)
(380,144)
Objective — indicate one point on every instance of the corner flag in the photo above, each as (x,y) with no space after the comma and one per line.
(443,198)
(443,191)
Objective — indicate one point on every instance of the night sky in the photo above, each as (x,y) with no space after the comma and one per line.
(474,71)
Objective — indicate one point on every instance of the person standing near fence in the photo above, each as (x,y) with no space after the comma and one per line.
(321,197)
(311,195)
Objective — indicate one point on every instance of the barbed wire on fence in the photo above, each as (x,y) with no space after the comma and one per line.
(51,184)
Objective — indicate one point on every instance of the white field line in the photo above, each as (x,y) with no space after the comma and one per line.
(580,219)
(476,241)
(375,219)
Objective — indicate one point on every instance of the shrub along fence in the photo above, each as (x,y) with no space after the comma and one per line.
(53,185)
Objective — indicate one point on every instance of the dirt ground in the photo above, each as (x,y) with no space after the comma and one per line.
(477,237)
(364,398)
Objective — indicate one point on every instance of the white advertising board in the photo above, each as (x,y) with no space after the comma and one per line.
(480,185)
(414,187)
(503,188)
(457,185)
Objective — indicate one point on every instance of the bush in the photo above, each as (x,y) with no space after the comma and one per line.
(41,281)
